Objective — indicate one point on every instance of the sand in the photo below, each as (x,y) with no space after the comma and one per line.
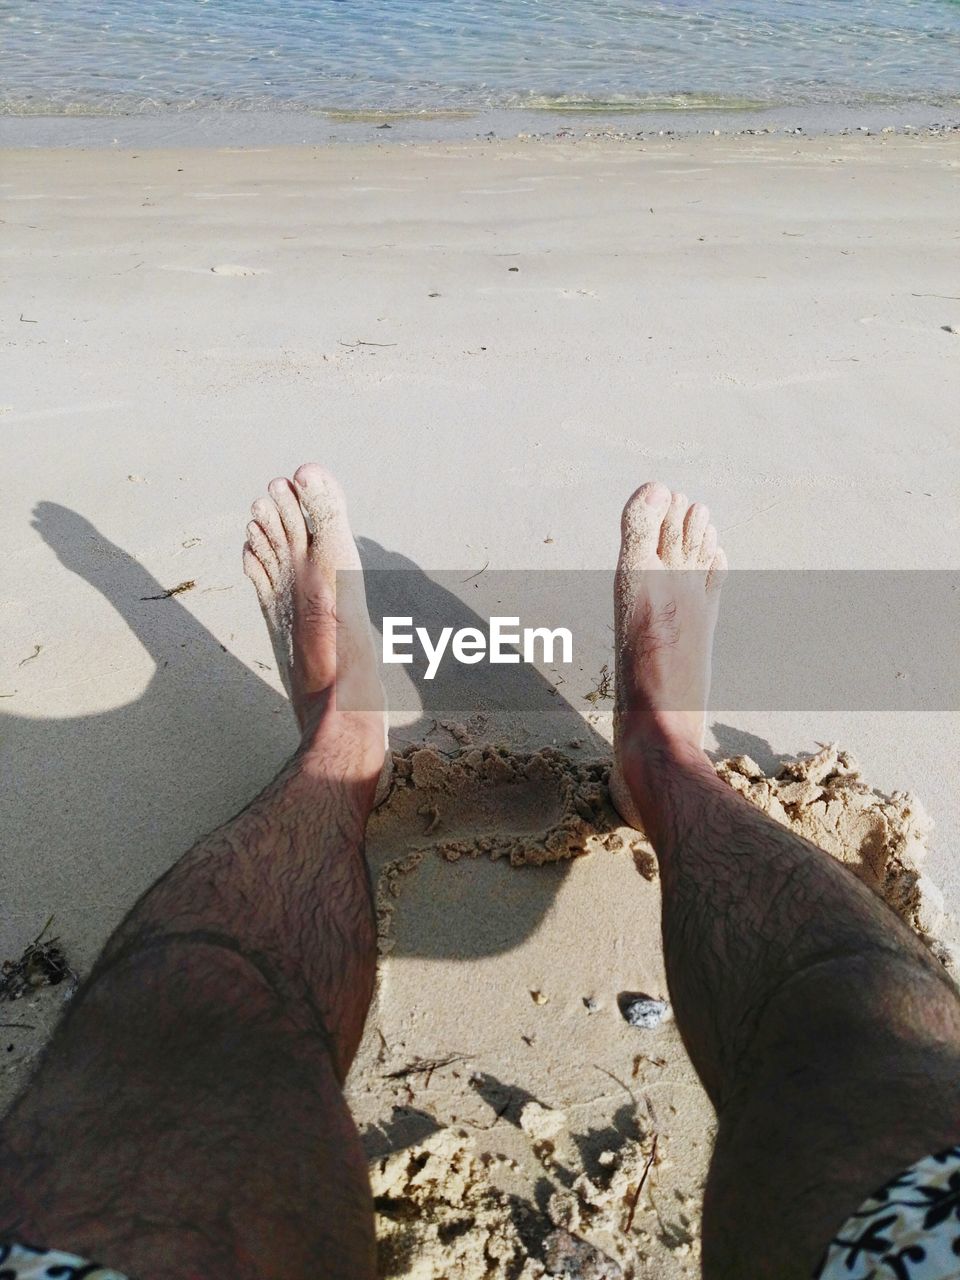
(758,321)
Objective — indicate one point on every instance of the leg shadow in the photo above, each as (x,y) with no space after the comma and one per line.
(100,805)
(514,699)
(474,907)
(732,741)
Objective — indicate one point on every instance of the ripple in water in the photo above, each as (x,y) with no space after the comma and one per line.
(84,56)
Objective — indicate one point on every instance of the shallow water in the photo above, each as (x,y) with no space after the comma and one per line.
(79,56)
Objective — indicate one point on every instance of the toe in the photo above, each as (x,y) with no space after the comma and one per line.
(718,571)
(265,512)
(313,479)
(641,521)
(671,532)
(708,548)
(322,498)
(291,514)
(694,527)
(260,545)
(257,575)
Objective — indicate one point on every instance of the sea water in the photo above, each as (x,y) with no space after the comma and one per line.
(351,57)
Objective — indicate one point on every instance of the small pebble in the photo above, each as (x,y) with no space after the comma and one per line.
(591,1004)
(568,1256)
(643,1011)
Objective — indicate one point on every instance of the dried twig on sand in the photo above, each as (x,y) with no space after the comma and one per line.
(425,1066)
(178,590)
(42,964)
(640,1185)
(603,688)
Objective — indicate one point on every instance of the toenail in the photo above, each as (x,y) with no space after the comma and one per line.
(654,495)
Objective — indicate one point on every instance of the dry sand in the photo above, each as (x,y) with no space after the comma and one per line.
(756,321)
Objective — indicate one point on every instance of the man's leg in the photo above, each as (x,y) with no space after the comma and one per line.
(187,1119)
(825,1034)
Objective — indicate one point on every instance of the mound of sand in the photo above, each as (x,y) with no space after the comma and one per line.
(442,1215)
(882,838)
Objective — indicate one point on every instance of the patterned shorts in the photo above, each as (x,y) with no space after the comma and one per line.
(21,1262)
(909,1230)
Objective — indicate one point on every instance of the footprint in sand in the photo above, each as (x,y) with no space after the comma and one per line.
(530,809)
(486,802)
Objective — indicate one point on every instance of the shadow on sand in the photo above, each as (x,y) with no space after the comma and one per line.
(98,806)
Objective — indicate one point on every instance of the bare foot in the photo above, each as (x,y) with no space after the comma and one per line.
(666,600)
(297,542)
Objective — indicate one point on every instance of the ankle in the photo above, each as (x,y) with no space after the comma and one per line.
(344,747)
(654,752)
(648,733)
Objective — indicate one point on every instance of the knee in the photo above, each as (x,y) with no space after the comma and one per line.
(831,1010)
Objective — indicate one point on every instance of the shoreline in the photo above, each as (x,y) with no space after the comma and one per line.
(201,127)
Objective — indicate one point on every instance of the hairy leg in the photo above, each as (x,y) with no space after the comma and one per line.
(825,1034)
(188,1117)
